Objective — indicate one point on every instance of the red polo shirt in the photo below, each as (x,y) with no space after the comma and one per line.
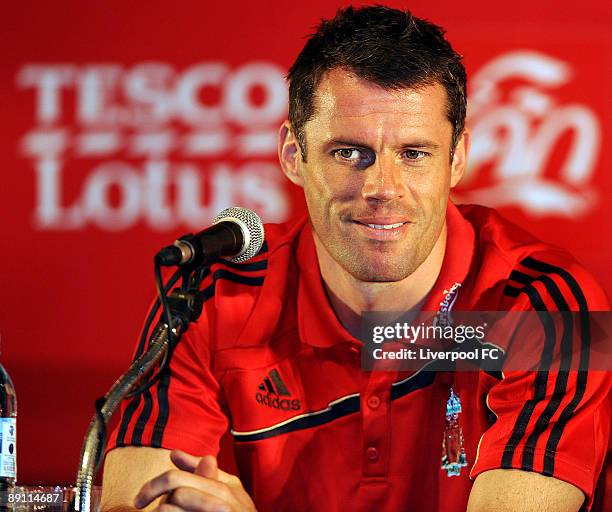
(313,431)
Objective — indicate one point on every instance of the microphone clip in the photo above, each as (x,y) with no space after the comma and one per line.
(185,305)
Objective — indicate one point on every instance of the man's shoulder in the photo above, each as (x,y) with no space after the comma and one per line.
(496,233)
(251,296)
(514,261)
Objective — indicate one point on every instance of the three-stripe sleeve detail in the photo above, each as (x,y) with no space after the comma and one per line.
(562,376)
(541,378)
(135,402)
(159,392)
(565,349)
(582,374)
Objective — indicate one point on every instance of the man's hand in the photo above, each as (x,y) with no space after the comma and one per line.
(198,486)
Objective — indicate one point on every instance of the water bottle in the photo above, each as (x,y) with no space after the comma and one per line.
(8,437)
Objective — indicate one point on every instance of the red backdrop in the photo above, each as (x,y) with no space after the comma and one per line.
(126,124)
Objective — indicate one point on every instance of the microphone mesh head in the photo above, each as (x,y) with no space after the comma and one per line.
(248,220)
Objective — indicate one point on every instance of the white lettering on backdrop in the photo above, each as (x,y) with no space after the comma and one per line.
(516,130)
(161,146)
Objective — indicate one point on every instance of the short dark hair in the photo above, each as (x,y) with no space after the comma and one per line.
(388,47)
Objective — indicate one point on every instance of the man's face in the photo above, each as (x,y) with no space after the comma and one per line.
(378,174)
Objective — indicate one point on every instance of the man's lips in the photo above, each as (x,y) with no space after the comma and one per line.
(382,228)
(382,222)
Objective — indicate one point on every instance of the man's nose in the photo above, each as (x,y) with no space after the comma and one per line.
(383,180)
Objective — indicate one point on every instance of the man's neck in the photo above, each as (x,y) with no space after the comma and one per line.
(351,297)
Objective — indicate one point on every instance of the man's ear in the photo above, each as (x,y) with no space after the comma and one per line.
(459,163)
(289,154)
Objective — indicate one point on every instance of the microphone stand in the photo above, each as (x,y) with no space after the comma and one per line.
(185,307)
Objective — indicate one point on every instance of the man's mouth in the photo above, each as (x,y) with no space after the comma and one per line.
(382,228)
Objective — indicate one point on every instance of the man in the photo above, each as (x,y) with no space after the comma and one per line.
(376,139)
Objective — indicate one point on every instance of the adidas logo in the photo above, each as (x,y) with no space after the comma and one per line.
(271,391)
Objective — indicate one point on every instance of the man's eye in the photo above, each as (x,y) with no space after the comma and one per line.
(360,158)
(413,154)
(349,154)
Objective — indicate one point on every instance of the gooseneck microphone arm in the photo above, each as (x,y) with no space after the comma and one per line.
(95,442)
(237,234)
(185,307)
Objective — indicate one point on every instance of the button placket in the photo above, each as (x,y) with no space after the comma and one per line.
(375,414)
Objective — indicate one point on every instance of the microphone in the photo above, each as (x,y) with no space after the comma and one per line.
(237,234)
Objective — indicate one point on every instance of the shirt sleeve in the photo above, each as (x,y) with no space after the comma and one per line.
(554,419)
(184,409)
(565,437)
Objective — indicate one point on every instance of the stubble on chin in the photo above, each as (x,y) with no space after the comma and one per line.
(374,264)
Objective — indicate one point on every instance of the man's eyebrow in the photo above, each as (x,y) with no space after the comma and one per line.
(346,143)
(415,144)
(421,144)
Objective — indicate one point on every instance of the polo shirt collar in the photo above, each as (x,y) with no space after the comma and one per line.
(317,322)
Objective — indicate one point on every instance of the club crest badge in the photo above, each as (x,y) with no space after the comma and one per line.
(453,451)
